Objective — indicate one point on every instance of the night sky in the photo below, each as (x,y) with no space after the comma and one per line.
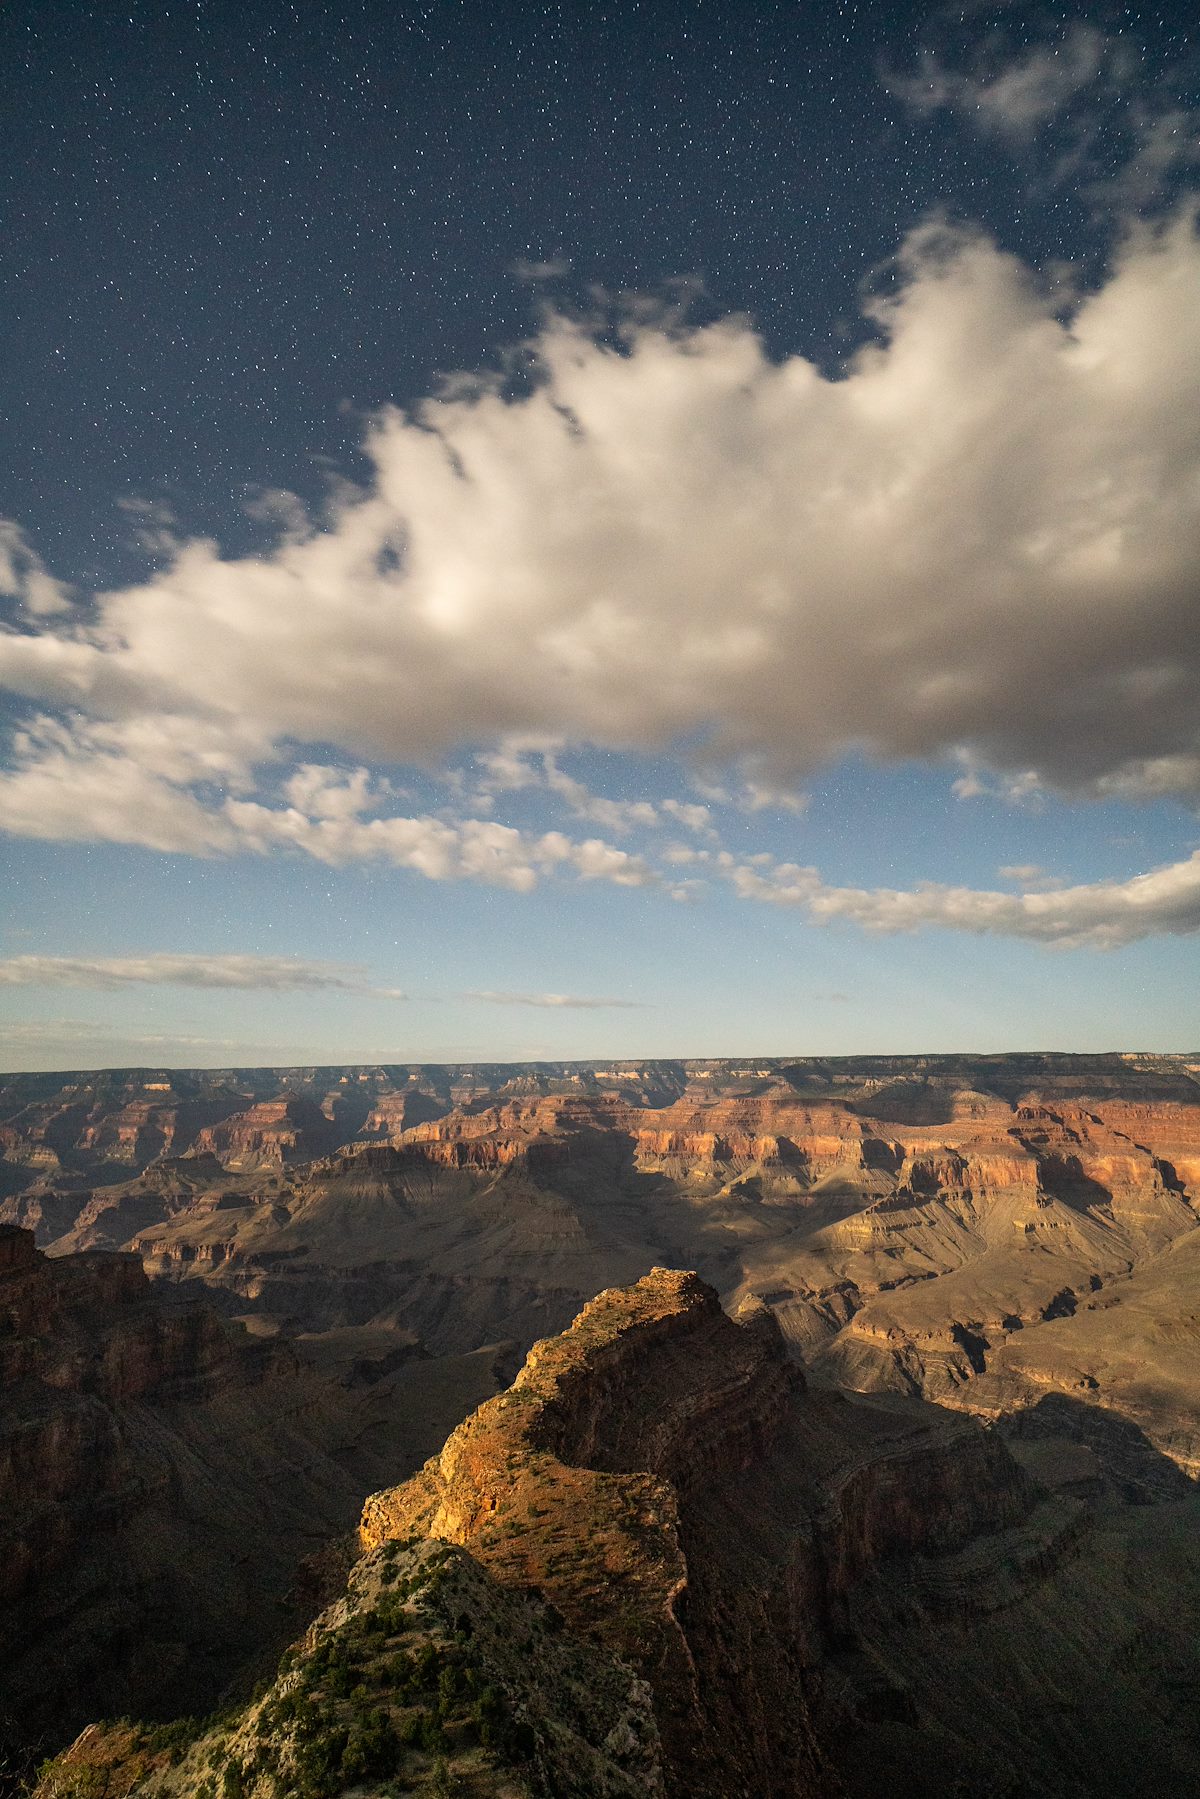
(781,635)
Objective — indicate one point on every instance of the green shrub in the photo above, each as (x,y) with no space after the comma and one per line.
(412,1727)
(372,1748)
(433,1737)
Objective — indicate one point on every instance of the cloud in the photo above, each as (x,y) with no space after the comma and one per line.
(52,1033)
(276,974)
(753,796)
(618,816)
(154,525)
(472,849)
(1080,99)
(1101,915)
(692,816)
(977,546)
(517,765)
(1029,874)
(555,1001)
(85,785)
(1013,97)
(62,1044)
(23,575)
(551,268)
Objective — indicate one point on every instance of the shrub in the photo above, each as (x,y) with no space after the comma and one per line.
(372,1748)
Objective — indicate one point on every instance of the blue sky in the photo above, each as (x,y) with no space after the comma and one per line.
(493,575)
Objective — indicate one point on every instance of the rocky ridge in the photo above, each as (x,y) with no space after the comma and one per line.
(660,1564)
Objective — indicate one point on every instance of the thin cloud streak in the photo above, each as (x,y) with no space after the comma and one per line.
(276,974)
(557,1001)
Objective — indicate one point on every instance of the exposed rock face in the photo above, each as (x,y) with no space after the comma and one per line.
(161,1477)
(393,1113)
(660,1565)
(269,1134)
(940,1226)
(608,1475)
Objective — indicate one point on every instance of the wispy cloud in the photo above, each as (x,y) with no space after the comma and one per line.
(557,1001)
(1029,875)
(1099,915)
(78,1043)
(518,765)
(1014,95)
(549,268)
(276,974)
(1074,105)
(23,575)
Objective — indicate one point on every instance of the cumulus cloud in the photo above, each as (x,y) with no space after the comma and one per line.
(1100,915)
(1029,874)
(86,784)
(440,849)
(978,546)
(982,539)
(554,1001)
(277,974)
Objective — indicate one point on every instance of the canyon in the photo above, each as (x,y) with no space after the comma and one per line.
(911,1397)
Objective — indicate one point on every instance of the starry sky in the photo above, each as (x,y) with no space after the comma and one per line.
(543,531)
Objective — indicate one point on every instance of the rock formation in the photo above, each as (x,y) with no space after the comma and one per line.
(162,1476)
(941,1226)
(660,1564)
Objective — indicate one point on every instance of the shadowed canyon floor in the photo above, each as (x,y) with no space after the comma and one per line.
(336,1265)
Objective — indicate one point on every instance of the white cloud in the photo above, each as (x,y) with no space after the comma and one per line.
(753,796)
(71,785)
(474,849)
(978,546)
(1101,915)
(693,817)
(277,974)
(92,784)
(1029,874)
(518,764)
(618,816)
(332,793)
(555,1001)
